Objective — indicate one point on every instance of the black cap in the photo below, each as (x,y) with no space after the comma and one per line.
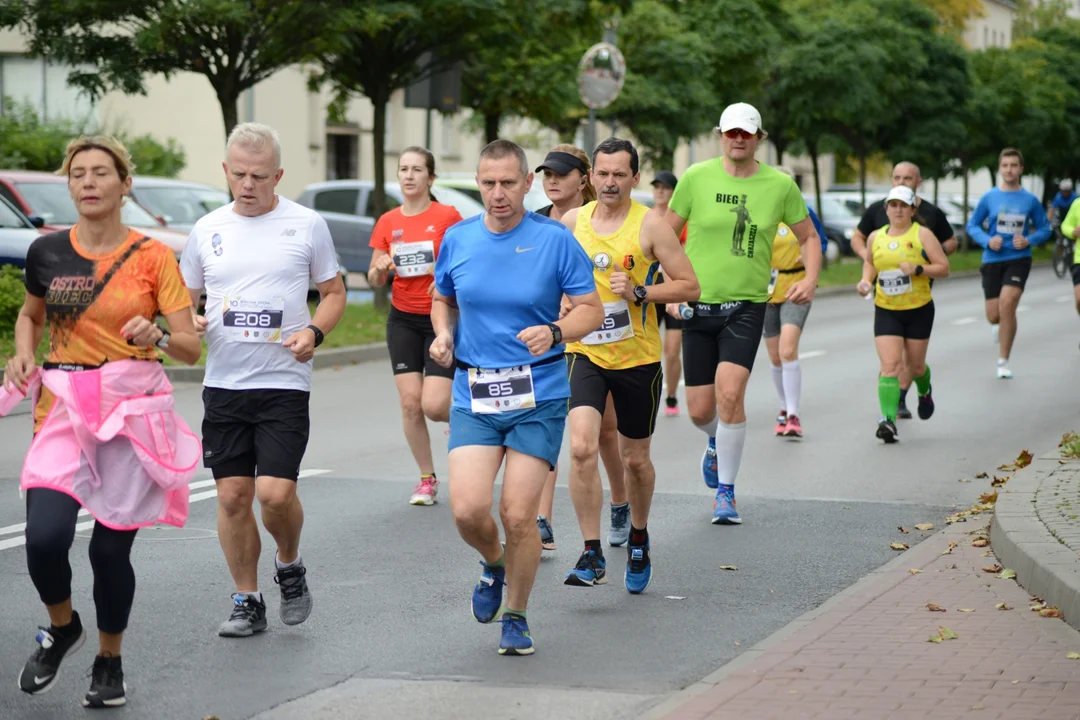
(665,178)
(561,163)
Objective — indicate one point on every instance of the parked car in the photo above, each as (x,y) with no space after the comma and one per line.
(838,218)
(347,206)
(16,233)
(177,203)
(46,196)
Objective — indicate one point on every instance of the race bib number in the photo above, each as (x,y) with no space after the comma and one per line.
(414,259)
(1010,224)
(253,320)
(503,390)
(894,282)
(772,279)
(616,327)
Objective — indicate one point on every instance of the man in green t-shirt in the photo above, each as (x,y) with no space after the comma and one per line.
(734,205)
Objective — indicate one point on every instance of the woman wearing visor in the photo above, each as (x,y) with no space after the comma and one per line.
(566,184)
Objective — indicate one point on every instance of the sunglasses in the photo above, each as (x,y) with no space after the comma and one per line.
(738,134)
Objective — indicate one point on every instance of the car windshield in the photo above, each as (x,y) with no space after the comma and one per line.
(52,202)
(459,200)
(9,218)
(179,205)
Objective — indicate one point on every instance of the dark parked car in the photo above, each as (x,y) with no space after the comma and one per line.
(16,233)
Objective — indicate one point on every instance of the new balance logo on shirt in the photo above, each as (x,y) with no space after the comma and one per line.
(288,232)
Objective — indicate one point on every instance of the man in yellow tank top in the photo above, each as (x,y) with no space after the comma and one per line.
(627,242)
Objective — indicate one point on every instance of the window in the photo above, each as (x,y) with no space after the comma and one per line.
(6,193)
(369,211)
(986,36)
(43,86)
(9,218)
(993,37)
(342,156)
(337,201)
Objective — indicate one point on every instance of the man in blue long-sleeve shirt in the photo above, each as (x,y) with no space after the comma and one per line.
(1015,222)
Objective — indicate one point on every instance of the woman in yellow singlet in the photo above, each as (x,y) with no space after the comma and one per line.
(902,258)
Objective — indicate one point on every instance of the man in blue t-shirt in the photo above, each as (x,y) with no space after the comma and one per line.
(1016,221)
(1059,206)
(499,280)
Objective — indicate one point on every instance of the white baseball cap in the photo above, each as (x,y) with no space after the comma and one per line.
(1066,184)
(902,193)
(742,116)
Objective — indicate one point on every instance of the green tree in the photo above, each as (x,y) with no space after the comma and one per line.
(235,44)
(1034,15)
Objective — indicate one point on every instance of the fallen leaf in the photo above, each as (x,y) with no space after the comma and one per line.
(980,542)
(924,526)
(914,571)
(948,550)
(1024,459)
(1037,607)
(1036,599)
(1051,612)
(898,546)
(988,498)
(1007,574)
(1014,682)
(934,639)
(946,633)
(934,607)
(992,569)
(1073,656)
(999,481)
(728,567)
(1003,606)
(988,553)
(1010,466)
(981,476)
(966,610)
(903,529)
(963,480)
(978,707)
(950,567)
(738,644)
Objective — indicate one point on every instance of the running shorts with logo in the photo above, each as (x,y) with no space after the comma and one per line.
(999,274)
(903,303)
(256,272)
(623,356)
(733,223)
(409,337)
(504,283)
(787,269)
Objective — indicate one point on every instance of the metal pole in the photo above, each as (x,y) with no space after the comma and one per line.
(427,130)
(590,132)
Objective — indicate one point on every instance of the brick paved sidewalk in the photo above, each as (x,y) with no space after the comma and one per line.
(866,654)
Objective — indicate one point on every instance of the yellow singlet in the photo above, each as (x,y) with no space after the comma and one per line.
(787,265)
(895,290)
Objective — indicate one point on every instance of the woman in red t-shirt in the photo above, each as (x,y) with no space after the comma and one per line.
(406,242)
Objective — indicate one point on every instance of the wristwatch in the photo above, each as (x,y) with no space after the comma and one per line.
(318,335)
(640,293)
(556,334)
(163,343)
(919,269)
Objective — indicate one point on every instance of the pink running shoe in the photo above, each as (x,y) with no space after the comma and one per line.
(781,423)
(794,427)
(425,492)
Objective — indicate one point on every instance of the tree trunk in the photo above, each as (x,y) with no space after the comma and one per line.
(491,127)
(862,177)
(812,148)
(1048,185)
(967,178)
(378,139)
(779,151)
(993,176)
(229,110)
(936,191)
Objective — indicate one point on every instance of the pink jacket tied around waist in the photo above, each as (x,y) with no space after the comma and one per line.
(114,442)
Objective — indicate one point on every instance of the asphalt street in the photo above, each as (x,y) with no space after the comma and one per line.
(391,634)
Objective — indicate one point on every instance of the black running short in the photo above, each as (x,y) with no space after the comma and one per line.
(909,324)
(255,432)
(409,337)
(1075,273)
(635,393)
(727,332)
(1011,272)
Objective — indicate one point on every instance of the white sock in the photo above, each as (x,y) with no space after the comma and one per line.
(729,447)
(280,565)
(778,381)
(709,428)
(1003,361)
(792,386)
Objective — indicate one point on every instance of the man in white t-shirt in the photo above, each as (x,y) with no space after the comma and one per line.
(254,257)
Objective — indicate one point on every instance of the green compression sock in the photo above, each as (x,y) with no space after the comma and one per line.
(519,613)
(924,382)
(888,391)
(498,563)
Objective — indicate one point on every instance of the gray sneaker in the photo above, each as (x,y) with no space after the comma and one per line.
(295,596)
(248,617)
(619,533)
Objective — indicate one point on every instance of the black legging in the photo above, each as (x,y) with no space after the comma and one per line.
(50,530)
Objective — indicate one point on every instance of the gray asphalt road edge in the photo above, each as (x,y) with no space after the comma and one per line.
(1044,566)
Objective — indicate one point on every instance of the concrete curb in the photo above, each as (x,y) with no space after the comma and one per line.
(1021,541)
(323,359)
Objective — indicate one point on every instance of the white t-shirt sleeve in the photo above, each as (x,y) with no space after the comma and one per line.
(191,267)
(324,264)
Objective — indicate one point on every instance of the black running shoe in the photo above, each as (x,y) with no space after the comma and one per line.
(886,430)
(926,405)
(55,644)
(902,413)
(107,688)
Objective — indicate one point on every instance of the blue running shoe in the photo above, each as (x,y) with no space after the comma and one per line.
(487,596)
(724,512)
(708,465)
(516,639)
(620,525)
(590,570)
(638,568)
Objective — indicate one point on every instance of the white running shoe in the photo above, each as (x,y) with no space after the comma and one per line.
(1003,371)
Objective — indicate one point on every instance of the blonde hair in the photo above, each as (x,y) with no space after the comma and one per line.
(588,192)
(110,145)
(255,137)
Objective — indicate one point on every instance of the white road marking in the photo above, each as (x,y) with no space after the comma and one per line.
(1063,299)
(811,354)
(965,320)
(196,497)
(1022,308)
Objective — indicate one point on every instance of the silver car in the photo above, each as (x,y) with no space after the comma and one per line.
(176,202)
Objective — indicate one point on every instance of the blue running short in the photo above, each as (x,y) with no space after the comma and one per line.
(537,431)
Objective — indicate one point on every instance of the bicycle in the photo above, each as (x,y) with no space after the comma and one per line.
(1063,252)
